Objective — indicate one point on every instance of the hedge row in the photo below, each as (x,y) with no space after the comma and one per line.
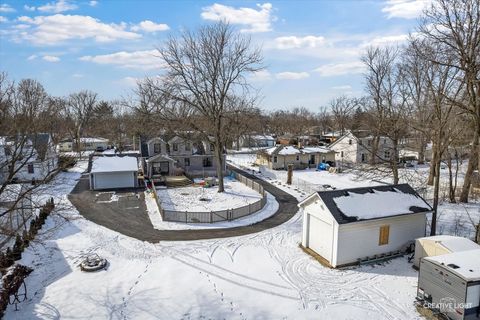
(13,275)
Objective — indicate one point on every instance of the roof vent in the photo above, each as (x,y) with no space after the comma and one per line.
(346,193)
(453,266)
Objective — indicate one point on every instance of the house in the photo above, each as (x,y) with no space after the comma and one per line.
(86,144)
(281,156)
(180,155)
(114,173)
(255,141)
(346,226)
(358,148)
(450,283)
(441,244)
(35,153)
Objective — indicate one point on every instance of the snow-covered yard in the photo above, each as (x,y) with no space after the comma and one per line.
(258,276)
(200,199)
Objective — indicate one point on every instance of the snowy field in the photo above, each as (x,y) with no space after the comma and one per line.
(190,198)
(258,276)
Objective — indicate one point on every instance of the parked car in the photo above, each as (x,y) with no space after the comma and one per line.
(99,149)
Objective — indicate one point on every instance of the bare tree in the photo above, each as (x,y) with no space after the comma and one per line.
(455,27)
(342,109)
(205,70)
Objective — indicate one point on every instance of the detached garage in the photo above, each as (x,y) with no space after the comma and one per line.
(345,227)
(114,173)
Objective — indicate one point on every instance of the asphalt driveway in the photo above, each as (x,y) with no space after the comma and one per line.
(126,213)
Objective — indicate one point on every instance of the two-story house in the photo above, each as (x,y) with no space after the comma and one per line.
(180,155)
(34,157)
(357,148)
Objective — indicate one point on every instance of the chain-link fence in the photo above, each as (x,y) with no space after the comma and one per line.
(219,215)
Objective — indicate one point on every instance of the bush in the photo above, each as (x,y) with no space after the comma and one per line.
(17,248)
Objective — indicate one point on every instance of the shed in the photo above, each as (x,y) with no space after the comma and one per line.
(114,173)
(347,226)
(451,283)
(442,244)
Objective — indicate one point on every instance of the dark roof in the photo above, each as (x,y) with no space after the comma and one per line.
(329,196)
(40,143)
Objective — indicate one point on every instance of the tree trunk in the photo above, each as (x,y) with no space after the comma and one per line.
(374,150)
(421,150)
(433,166)
(451,189)
(472,166)
(220,163)
(394,163)
(436,189)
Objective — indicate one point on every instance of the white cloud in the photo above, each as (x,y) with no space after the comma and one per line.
(29,8)
(292,75)
(337,69)
(6,8)
(3,19)
(254,20)
(149,26)
(345,87)
(51,58)
(299,42)
(407,9)
(51,30)
(262,75)
(93,3)
(77,75)
(386,40)
(142,60)
(32,57)
(58,6)
(130,81)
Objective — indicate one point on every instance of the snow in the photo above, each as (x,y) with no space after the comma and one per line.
(114,164)
(452,243)
(258,276)
(188,198)
(378,204)
(270,208)
(316,150)
(284,150)
(467,261)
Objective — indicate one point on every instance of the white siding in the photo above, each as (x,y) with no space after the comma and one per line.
(360,239)
(349,150)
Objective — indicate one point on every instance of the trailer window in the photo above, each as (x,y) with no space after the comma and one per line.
(384,235)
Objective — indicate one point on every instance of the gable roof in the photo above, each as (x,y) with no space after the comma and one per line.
(114,164)
(368,203)
(292,150)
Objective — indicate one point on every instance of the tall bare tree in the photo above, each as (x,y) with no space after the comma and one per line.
(205,70)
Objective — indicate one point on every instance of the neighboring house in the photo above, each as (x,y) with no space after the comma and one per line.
(451,283)
(180,155)
(86,144)
(38,157)
(255,141)
(114,173)
(281,156)
(346,226)
(353,148)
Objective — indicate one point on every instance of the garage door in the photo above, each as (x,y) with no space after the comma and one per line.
(114,180)
(320,237)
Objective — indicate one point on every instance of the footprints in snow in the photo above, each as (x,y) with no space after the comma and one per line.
(130,291)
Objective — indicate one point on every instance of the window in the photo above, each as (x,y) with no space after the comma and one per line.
(212,147)
(175,147)
(187,162)
(188,146)
(387,154)
(207,162)
(384,141)
(384,235)
(350,141)
(275,159)
(30,168)
(157,148)
(341,154)
(369,143)
(298,157)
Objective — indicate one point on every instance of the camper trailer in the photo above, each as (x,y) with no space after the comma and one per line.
(442,244)
(450,284)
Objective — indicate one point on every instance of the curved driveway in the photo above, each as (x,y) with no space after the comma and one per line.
(136,223)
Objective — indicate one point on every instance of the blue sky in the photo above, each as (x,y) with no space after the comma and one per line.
(311,48)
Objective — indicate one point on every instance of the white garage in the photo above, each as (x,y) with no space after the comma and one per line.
(114,173)
(346,226)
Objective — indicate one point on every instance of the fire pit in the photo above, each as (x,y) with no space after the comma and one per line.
(93,263)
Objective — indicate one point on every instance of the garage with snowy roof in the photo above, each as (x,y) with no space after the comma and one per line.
(346,227)
(114,173)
